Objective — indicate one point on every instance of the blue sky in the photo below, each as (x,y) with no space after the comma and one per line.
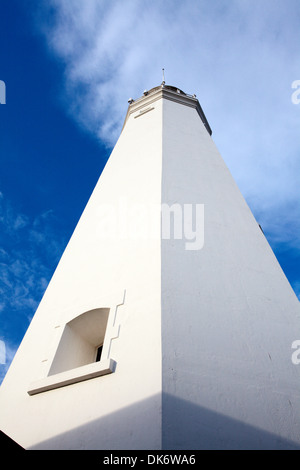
(69,69)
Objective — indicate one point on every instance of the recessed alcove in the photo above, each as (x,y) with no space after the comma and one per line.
(80,341)
(78,356)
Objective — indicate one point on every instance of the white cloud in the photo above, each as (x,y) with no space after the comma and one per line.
(111,48)
(9,351)
(31,252)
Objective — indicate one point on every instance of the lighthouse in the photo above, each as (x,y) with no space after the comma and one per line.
(168,322)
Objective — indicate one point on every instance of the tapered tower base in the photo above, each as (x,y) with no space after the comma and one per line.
(157,336)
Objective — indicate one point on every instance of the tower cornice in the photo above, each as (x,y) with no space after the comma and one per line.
(166,92)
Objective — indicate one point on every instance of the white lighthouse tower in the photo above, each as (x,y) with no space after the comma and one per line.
(168,322)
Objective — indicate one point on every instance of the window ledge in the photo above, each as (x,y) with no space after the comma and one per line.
(89,371)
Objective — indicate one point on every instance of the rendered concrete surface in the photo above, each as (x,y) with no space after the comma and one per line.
(200,339)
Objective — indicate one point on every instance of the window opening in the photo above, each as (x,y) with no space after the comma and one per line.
(99,352)
(81,342)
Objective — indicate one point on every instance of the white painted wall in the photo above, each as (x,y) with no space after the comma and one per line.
(229,315)
(123,409)
(203,338)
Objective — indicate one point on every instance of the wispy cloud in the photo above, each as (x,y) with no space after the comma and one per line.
(111,49)
(9,353)
(24,273)
(32,250)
